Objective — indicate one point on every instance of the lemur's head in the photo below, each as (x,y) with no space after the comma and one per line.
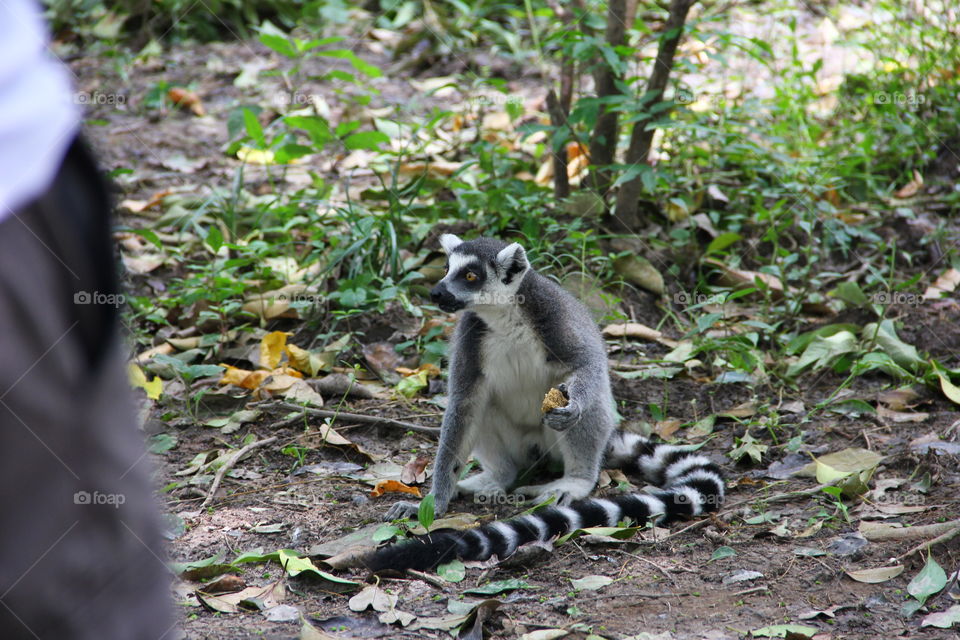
(481,272)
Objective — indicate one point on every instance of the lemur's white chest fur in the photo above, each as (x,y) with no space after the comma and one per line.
(516,370)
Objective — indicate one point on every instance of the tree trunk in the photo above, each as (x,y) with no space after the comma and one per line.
(642,135)
(603,141)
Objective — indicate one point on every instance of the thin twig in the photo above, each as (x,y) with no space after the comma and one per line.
(222,471)
(949,535)
(636,594)
(779,497)
(357,417)
(429,579)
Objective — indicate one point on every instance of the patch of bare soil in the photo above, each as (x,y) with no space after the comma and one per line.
(790,555)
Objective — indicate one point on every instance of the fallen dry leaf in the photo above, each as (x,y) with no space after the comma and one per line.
(392,486)
(911,188)
(274,304)
(898,399)
(280,382)
(187,99)
(302,393)
(415,471)
(742,279)
(946,283)
(743,410)
(899,417)
(226,584)
(304,361)
(139,379)
(242,378)
(272,347)
(877,575)
(577,170)
(138,206)
(143,264)
(637,331)
(279,379)
(382,358)
(435,168)
(666,428)
(270,595)
(432,370)
(544,173)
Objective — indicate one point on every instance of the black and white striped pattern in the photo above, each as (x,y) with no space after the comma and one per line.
(688,484)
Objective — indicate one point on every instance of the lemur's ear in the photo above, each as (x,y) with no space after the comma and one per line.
(449,242)
(511,263)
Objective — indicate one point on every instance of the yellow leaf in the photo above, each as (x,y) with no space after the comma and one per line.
(432,370)
(303,360)
(256,156)
(272,347)
(139,379)
(946,283)
(950,390)
(242,377)
(911,188)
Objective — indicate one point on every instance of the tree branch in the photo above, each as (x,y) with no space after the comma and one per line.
(558,118)
(603,141)
(642,135)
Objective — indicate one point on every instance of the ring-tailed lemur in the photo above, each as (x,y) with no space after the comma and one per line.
(520,335)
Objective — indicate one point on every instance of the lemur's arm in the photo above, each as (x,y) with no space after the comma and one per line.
(456,442)
(456,431)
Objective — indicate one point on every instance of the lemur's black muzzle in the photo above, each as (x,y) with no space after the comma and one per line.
(448,302)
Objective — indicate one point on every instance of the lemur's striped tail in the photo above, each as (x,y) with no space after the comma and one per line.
(688,484)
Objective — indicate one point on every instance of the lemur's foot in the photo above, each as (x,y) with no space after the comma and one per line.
(482,483)
(401,509)
(564,490)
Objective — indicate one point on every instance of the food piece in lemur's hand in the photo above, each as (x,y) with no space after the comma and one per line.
(553,400)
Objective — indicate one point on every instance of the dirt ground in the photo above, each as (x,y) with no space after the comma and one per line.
(665,586)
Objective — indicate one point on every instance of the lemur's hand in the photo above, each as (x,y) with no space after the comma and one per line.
(562,418)
(402,509)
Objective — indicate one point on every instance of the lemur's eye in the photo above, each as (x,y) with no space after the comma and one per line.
(470,276)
